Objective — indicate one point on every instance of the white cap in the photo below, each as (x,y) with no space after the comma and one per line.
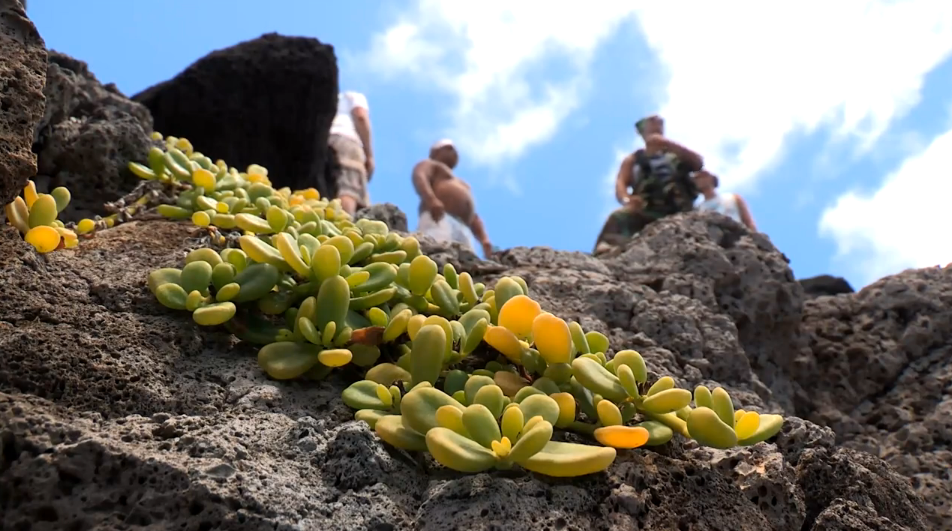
(442,143)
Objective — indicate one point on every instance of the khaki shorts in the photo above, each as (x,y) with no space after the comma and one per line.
(352,181)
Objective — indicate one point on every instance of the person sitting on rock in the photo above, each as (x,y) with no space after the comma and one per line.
(447,209)
(659,176)
(731,205)
(350,137)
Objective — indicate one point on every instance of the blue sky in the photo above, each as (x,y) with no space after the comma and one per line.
(833,128)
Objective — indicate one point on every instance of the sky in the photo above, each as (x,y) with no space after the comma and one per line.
(833,119)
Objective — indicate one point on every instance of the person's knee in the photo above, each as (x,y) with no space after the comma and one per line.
(349,204)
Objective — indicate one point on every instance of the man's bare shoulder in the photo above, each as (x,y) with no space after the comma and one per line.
(424,165)
(437,169)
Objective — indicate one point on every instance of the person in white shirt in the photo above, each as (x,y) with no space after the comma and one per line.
(350,137)
(730,205)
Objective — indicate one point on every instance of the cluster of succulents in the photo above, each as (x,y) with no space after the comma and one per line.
(548,374)
(317,290)
(36,217)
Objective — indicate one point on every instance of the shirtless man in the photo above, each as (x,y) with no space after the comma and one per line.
(442,193)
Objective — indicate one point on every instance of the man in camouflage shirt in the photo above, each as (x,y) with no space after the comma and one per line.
(660,180)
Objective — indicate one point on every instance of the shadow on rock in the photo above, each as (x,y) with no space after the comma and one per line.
(86,138)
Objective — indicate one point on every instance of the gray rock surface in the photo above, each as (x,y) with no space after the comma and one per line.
(117,413)
(86,137)
(877,368)
(22,77)
(387,213)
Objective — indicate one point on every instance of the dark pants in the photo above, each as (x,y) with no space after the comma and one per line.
(623,224)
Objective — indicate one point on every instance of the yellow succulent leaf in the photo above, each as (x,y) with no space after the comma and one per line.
(518,315)
(552,338)
(567,407)
(747,425)
(335,357)
(43,238)
(608,413)
(563,460)
(451,418)
(503,340)
(459,453)
(414,324)
(502,447)
(622,436)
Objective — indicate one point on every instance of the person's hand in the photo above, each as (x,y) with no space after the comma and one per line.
(654,138)
(635,203)
(436,209)
(487,248)
(369,166)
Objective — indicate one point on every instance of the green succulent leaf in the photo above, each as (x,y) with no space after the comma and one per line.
(459,453)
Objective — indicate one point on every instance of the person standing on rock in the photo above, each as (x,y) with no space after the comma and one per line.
(730,205)
(351,139)
(447,209)
(659,176)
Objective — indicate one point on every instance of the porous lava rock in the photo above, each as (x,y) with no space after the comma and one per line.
(116,412)
(87,135)
(22,77)
(267,101)
(877,368)
(387,213)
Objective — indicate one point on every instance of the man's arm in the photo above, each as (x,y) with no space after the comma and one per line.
(745,216)
(694,161)
(624,179)
(423,181)
(361,115)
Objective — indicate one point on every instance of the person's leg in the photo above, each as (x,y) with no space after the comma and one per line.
(613,231)
(348,203)
(620,227)
(352,181)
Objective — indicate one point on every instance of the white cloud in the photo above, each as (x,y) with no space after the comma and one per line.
(746,74)
(738,77)
(480,53)
(900,225)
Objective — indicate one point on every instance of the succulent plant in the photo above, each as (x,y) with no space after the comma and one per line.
(317,290)
(35,216)
(490,432)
